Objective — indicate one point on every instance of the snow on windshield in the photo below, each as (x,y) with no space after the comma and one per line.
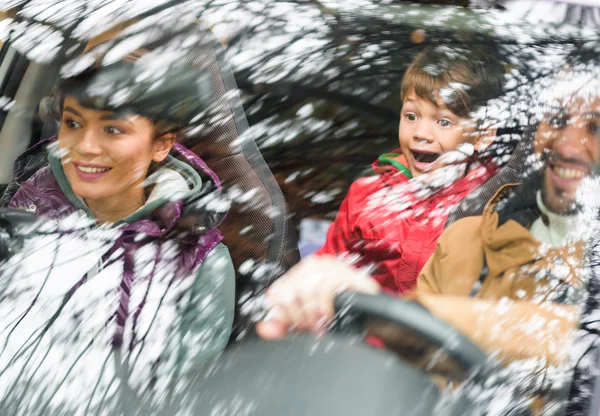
(320,84)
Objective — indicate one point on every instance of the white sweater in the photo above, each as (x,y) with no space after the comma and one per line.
(561,229)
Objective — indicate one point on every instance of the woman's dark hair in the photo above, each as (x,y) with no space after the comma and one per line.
(114,88)
(164,80)
(81,87)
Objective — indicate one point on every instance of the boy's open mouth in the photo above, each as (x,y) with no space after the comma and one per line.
(424,158)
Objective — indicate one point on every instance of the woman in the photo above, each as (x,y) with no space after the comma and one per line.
(119,294)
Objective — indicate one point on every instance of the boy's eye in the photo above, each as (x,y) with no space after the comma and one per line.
(444,122)
(411,116)
(71,124)
(113,131)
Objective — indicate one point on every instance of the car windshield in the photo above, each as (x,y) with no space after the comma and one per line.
(292,207)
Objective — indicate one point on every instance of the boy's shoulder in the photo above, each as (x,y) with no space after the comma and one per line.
(389,169)
(362,188)
(369,184)
(365,185)
(391,163)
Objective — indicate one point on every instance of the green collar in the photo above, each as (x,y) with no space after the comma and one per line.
(145,211)
(387,159)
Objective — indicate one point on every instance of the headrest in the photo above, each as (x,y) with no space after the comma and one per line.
(517,167)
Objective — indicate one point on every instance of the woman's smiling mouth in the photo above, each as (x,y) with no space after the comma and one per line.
(89,172)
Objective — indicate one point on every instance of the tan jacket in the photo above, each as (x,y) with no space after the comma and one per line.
(519,267)
(538,281)
(524,308)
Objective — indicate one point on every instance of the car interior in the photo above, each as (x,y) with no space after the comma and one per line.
(262,238)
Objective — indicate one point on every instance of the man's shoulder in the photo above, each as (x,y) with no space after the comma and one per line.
(504,192)
(464,227)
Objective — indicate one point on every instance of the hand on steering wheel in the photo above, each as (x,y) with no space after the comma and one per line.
(406,325)
(307,298)
(303,299)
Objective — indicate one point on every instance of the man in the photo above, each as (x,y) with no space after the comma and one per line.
(508,279)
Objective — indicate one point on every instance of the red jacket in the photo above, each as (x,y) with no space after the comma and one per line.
(390,223)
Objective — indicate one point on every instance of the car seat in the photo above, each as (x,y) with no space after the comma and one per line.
(514,171)
(258,230)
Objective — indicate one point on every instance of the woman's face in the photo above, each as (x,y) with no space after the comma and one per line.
(106,156)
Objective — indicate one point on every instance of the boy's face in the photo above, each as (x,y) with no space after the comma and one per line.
(427,131)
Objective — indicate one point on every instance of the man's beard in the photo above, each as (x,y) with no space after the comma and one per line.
(570,204)
(572,208)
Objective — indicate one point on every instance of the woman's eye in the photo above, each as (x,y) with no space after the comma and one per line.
(113,131)
(71,124)
(411,116)
(444,122)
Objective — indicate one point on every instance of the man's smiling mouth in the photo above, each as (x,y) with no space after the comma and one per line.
(568,173)
(568,168)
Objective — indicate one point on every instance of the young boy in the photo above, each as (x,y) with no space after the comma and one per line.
(391,222)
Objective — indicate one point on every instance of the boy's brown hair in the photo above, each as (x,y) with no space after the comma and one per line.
(463,79)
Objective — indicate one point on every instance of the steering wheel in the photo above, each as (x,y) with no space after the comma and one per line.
(408,314)
(336,374)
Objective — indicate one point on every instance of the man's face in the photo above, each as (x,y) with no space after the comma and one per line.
(567,139)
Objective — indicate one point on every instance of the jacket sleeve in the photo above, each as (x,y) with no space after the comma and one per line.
(208,317)
(427,281)
(341,235)
(497,327)
(457,260)
(506,328)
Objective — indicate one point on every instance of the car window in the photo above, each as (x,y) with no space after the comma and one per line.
(446,151)
(326,90)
